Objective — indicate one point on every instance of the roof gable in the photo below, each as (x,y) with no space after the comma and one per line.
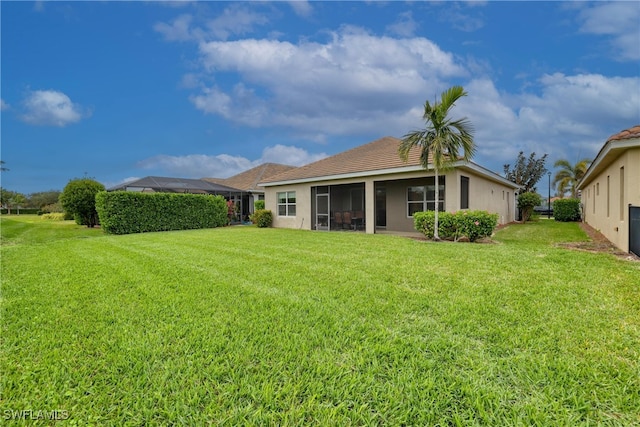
(249,179)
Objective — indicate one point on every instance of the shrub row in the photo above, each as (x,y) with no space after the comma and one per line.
(123,212)
(262,218)
(473,225)
(23,211)
(566,210)
(53,216)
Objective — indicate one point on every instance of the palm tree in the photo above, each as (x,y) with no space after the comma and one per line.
(442,139)
(2,168)
(569,175)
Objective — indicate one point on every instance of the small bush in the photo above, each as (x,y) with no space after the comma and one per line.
(54,216)
(566,210)
(258,205)
(526,202)
(262,218)
(473,225)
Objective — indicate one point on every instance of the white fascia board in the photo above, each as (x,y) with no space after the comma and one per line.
(381,172)
(378,172)
(488,174)
(604,153)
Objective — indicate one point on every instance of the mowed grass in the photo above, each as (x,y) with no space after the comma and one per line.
(248,326)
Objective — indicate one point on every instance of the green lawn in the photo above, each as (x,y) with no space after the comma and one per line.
(248,326)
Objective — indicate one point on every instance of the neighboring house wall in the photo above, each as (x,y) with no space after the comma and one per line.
(606,197)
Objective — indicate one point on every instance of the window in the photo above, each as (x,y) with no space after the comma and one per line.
(423,197)
(608,195)
(287,203)
(464,192)
(622,207)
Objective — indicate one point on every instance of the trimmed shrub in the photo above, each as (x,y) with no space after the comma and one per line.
(79,199)
(123,212)
(258,205)
(473,225)
(566,210)
(526,202)
(262,218)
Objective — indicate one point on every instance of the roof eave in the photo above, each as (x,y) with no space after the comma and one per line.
(405,169)
(608,153)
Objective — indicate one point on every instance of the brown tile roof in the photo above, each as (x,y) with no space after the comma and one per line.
(249,179)
(630,133)
(380,154)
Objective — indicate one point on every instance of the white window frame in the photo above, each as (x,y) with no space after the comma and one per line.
(289,206)
(426,202)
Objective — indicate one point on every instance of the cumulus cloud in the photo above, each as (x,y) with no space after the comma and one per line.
(618,20)
(224,165)
(569,115)
(343,85)
(51,108)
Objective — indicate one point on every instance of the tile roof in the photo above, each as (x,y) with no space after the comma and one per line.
(380,154)
(249,179)
(630,133)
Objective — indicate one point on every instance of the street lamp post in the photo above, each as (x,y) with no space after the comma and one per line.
(549,199)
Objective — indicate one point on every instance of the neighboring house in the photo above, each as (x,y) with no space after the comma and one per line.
(242,189)
(610,190)
(161,184)
(247,182)
(370,188)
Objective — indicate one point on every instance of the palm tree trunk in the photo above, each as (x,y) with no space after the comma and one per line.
(436,237)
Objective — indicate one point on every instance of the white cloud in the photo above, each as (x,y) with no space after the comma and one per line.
(353,81)
(234,20)
(301,7)
(51,108)
(3,105)
(178,30)
(224,165)
(570,117)
(618,20)
(405,25)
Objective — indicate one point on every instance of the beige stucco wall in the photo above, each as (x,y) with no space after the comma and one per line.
(484,194)
(606,198)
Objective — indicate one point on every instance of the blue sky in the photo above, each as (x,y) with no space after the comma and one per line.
(119,90)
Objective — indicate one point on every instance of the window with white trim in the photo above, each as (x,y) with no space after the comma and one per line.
(287,203)
(423,197)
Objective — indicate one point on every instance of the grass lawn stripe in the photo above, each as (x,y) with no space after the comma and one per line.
(250,326)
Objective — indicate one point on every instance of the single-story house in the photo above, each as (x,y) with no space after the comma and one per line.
(370,188)
(242,189)
(160,184)
(247,182)
(610,190)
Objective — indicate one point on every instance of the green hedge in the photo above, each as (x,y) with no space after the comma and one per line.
(23,211)
(123,212)
(566,210)
(473,225)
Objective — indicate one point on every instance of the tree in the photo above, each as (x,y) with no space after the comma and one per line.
(569,175)
(526,172)
(79,199)
(442,139)
(526,202)
(9,198)
(43,198)
(2,168)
